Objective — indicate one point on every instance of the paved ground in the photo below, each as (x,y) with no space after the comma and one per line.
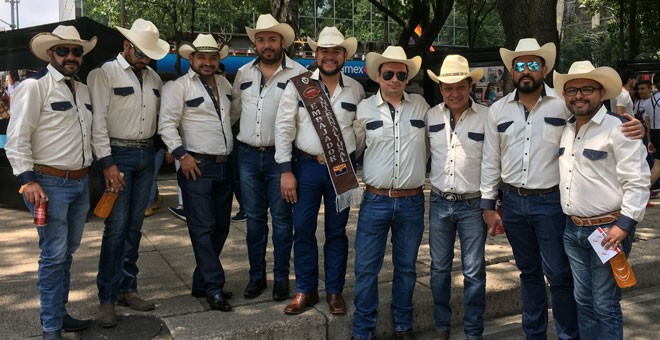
(167,262)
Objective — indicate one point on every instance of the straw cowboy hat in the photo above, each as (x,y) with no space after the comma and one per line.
(62,35)
(331,37)
(454,69)
(145,36)
(204,43)
(392,54)
(266,23)
(605,76)
(529,46)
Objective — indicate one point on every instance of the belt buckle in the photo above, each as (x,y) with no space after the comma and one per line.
(220,158)
(519,192)
(450,197)
(261,149)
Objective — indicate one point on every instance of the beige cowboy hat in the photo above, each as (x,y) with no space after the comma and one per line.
(331,37)
(454,69)
(392,54)
(529,46)
(266,23)
(605,76)
(62,35)
(204,43)
(145,36)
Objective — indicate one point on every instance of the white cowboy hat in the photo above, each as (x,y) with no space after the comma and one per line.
(62,35)
(454,69)
(204,43)
(392,54)
(331,37)
(145,36)
(266,23)
(605,76)
(529,46)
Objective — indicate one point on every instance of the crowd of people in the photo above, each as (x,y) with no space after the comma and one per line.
(561,163)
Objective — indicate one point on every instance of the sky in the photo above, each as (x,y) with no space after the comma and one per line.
(30,13)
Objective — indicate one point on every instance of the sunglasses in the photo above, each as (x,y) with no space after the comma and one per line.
(387,75)
(138,53)
(64,51)
(587,90)
(532,66)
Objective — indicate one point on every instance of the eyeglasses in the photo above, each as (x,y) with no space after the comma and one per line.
(531,65)
(587,90)
(138,53)
(387,75)
(64,51)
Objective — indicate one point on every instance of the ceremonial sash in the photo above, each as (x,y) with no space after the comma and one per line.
(337,159)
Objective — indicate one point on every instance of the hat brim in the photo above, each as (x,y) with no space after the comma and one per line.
(548,52)
(350,45)
(374,60)
(476,75)
(42,42)
(186,49)
(283,29)
(157,53)
(605,76)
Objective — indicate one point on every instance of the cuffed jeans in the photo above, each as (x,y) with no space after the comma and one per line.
(207,202)
(313,184)
(68,204)
(118,269)
(596,291)
(534,225)
(445,220)
(378,214)
(260,188)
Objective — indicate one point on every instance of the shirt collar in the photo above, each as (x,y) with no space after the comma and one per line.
(56,74)
(123,62)
(597,118)
(380,101)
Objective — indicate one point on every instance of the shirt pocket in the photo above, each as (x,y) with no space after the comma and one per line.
(123,91)
(592,164)
(552,129)
(245,85)
(195,102)
(374,132)
(417,129)
(350,107)
(281,85)
(61,106)
(156,93)
(475,143)
(89,107)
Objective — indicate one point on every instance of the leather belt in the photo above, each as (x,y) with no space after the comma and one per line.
(596,220)
(213,158)
(452,197)
(132,143)
(395,193)
(67,174)
(318,158)
(527,192)
(261,149)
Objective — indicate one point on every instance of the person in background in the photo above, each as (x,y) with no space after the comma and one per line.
(623,103)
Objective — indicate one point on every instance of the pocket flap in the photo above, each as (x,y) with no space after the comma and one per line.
(61,106)
(245,85)
(300,104)
(123,91)
(561,151)
(349,106)
(479,137)
(555,121)
(157,93)
(281,85)
(374,125)
(594,154)
(502,127)
(418,123)
(194,102)
(437,127)
(89,107)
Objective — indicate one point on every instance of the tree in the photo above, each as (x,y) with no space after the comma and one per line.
(477,13)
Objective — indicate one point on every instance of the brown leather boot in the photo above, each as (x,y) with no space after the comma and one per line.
(133,301)
(301,302)
(106,316)
(336,303)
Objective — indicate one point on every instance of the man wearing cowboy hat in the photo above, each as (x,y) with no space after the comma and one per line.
(196,127)
(49,148)
(456,135)
(255,99)
(391,126)
(312,181)
(604,183)
(522,131)
(126,93)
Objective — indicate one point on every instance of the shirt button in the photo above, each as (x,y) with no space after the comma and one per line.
(527,138)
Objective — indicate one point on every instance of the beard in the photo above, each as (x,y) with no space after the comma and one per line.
(585,108)
(528,88)
(331,72)
(277,57)
(62,68)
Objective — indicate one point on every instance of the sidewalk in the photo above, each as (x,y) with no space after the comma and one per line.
(167,262)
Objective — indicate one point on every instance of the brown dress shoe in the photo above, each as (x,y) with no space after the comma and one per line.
(301,302)
(336,303)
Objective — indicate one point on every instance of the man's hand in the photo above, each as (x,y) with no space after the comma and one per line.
(189,167)
(614,237)
(114,179)
(34,194)
(493,220)
(169,158)
(651,147)
(633,128)
(288,185)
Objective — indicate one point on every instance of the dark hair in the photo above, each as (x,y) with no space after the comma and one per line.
(626,74)
(643,82)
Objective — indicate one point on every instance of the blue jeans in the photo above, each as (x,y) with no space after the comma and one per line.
(260,188)
(596,291)
(534,225)
(121,237)
(445,220)
(379,214)
(207,203)
(313,184)
(68,204)
(159,156)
